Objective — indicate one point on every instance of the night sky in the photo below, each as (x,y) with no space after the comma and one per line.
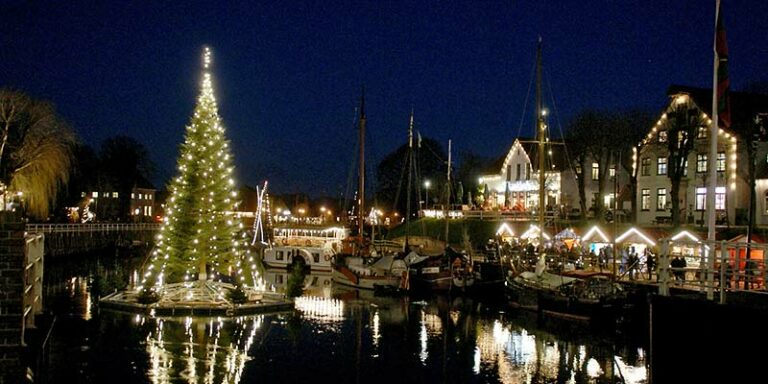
(288,74)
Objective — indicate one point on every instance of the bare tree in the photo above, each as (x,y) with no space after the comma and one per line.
(632,125)
(682,124)
(35,151)
(577,137)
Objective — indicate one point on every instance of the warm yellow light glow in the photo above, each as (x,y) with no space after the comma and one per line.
(595,230)
(637,232)
(685,234)
(533,232)
(504,229)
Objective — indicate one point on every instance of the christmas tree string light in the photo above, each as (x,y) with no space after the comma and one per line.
(201,237)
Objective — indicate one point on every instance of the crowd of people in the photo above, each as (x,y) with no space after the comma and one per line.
(522,254)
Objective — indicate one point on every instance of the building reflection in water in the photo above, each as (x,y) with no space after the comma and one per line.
(357,336)
(520,356)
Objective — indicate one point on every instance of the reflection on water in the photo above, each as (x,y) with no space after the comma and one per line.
(353,336)
(199,350)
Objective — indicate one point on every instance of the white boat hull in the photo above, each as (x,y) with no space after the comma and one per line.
(317,259)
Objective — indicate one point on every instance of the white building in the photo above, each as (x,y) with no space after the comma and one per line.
(514,184)
(732,192)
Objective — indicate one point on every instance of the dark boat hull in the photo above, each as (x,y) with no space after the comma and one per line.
(553,303)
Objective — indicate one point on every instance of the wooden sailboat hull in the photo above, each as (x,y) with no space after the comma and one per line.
(344,276)
(553,301)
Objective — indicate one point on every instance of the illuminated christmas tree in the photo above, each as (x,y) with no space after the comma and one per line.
(200,236)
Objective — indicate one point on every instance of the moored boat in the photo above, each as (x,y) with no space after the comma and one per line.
(594,299)
(313,247)
(384,273)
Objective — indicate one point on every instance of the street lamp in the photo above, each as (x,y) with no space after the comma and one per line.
(426,190)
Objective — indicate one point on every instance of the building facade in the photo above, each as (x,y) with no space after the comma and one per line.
(654,199)
(513,181)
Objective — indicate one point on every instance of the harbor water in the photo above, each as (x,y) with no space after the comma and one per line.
(334,335)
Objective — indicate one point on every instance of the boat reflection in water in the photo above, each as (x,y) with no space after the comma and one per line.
(354,336)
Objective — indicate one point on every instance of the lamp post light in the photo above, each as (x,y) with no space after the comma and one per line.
(426,191)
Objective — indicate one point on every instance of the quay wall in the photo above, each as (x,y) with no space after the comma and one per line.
(12,243)
(696,340)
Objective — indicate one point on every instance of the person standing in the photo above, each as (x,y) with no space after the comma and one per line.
(650,263)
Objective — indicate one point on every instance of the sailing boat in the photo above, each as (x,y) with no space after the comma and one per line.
(359,269)
(425,273)
(591,298)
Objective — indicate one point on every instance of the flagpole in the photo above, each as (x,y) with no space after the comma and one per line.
(711,212)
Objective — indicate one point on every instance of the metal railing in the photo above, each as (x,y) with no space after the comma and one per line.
(713,268)
(34,245)
(510,215)
(91,227)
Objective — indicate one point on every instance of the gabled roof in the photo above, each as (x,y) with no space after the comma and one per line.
(744,106)
(531,147)
(596,233)
(636,236)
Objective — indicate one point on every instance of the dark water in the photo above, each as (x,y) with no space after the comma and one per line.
(344,336)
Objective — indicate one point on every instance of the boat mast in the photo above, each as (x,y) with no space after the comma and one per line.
(408,185)
(361,178)
(448,185)
(541,132)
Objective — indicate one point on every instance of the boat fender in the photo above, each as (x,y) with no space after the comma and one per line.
(285,241)
(327,257)
(308,243)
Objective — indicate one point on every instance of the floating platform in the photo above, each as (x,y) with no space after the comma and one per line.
(200,298)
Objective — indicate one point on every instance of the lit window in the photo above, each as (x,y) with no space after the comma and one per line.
(765,200)
(645,166)
(701,133)
(720,198)
(701,198)
(661,166)
(721,161)
(663,137)
(82,194)
(685,167)
(595,171)
(133,196)
(661,199)
(114,194)
(609,200)
(701,163)
(612,171)
(95,195)
(645,199)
